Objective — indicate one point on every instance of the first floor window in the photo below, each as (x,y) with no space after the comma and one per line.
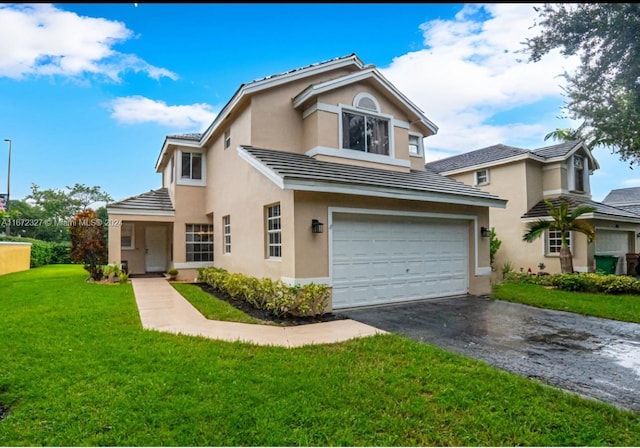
(199,240)
(191,165)
(226,233)
(274,232)
(365,133)
(554,242)
(127,236)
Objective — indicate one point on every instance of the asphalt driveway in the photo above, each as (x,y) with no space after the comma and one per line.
(595,357)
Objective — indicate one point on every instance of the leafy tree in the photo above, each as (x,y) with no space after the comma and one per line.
(88,242)
(62,204)
(604,92)
(564,221)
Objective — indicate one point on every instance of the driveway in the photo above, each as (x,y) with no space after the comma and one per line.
(598,358)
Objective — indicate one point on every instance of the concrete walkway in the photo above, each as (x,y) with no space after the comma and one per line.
(162,308)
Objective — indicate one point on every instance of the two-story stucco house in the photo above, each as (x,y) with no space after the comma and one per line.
(526,178)
(314,175)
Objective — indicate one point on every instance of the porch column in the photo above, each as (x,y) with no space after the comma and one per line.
(115,254)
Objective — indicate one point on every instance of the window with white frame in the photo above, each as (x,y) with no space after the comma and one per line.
(578,172)
(226,234)
(274,232)
(554,242)
(365,131)
(127,236)
(227,138)
(415,145)
(482,177)
(199,242)
(191,165)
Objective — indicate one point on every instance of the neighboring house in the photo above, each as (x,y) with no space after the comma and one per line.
(625,198)
(526,178)
(313,175)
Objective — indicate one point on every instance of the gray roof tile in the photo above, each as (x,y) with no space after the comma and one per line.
(291,166)
(623,195)
(154,200)
(540,210)
(559,150)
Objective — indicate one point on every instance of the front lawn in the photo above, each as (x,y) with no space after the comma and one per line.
(618,307)
(76,369)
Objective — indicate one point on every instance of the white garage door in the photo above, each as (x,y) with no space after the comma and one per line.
(611,242)
(384,259)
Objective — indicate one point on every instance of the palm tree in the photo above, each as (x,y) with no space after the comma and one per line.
(564,221)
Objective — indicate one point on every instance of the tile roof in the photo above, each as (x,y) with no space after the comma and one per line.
(154,200)
(498,152)
(623,195)
(540,210)
(293,166)
(192,136)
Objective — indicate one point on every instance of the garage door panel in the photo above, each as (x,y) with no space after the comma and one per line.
(382,259)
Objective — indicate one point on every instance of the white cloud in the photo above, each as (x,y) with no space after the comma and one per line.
(472,72)
(138,109)
(631,183)
(41,40)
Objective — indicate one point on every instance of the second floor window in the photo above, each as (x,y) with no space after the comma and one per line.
(482,177)
(415,145)
(191,165)
(227,138)
(578,173)
(366,133)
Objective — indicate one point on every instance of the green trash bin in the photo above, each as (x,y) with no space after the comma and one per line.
(606,263)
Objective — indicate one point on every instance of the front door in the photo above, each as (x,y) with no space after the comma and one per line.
(155,239)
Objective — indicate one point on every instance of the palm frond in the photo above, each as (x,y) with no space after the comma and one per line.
(579,211)
(536,229)
(585,228)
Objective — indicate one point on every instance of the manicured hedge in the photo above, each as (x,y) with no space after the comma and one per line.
(583,282)
(44,252)
(273,295)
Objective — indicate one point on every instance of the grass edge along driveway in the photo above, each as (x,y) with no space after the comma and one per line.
(76,369)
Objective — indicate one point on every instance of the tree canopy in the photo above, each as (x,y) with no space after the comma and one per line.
(604,92)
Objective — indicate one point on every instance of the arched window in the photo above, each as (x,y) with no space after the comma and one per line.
(367,102)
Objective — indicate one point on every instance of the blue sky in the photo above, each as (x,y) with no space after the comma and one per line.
(88,92)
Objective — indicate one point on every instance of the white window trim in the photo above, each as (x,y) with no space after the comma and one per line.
(226,231)
(420,144)
(389,118)
(133,236)
(545,245)
(571,174)
(193,182)
(227,138)
(270,232)
(363,95)
(172,169)
(475,175)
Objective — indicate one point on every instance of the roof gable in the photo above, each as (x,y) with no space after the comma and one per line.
(622,196)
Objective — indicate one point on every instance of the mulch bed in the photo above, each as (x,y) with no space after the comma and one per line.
(288,320)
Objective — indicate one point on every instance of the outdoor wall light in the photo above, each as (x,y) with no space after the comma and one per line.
(638,235)
(484,232)
(316,226)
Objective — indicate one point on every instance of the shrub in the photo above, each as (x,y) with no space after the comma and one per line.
(272,295)
(60,253)
(586,282)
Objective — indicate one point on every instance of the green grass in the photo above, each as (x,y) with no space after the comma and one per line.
(213,308)
(618,307)
(76,369)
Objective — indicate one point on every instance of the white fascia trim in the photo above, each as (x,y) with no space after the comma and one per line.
(492,164)
(322,107)
(402,124)
(386,192)
(604,217)
(616,229)
(357,155)
(126,211)
(14,243)
(193,265)
(263,169)
(554,192)
(326,86)
(479,271)
(306,281)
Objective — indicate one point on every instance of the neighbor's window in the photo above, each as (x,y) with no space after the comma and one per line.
(127,236)
(415,145)
(482,177)
(199,242)
(227,138)
(226,234)
(578,173)
(274,232)
(192,165)
(554,242)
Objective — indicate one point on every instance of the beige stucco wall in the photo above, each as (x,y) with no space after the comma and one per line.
(14,257)
(554,178)
(190,209)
